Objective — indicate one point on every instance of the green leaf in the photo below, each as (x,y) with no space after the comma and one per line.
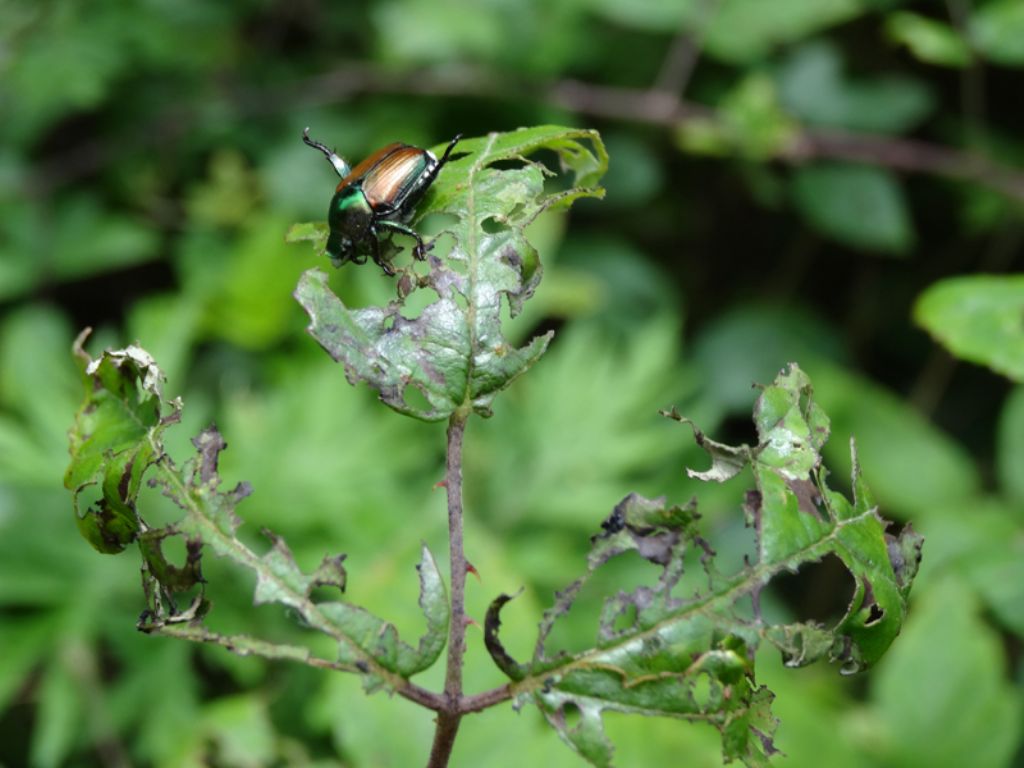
(742,31)
(814,88)
(753,119)
(241,729)
(435,607)
(247,301)
(859,206)
(61,709)
(979,318)
(452,353)
(931,41)
(118,436)
(308,232)
(983,541)
(39,390)
(113,442)
(997,31)
(913,466)
(554,427)
(947,656)
(726,461)
(1010,453)
(653,15)
(692,657)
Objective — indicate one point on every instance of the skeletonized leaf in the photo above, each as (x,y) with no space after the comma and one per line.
(113,441)
(692,657)
(453,352)
(118,436)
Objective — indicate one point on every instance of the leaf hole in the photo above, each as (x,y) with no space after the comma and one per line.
(819,592)
(508,164)
(571,716)
(174,549)
(625,619)
(492,226)
(325,593)
(89,499)
(415,399)
(415,303)
(875,615)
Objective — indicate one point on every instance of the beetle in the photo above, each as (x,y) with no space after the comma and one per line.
(379,194)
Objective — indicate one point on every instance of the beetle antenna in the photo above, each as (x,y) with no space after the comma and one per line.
(340,166)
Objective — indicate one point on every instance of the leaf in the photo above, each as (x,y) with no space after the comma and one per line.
(61,708)
(726,461)
(692,657)
(983,540)
(653,15)
(113,442)
(947,653)
(554,428)
(996,30)
(979,318)
(118,436)
(38,391)
(754,121)
(931,41)
(742,31)
(856,205)
(1010,454)
(814,88)
(912,465)
(452,354)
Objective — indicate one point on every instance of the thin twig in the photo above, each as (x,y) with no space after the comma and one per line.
(906,155)
(482,701)
(450,716)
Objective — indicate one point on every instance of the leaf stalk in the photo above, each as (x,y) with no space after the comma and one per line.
(450,716)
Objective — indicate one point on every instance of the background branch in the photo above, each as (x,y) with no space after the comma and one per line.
(656,106)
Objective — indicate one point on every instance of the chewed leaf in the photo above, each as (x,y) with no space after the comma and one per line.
(113,441)
(314,232)
(726,461)
(453,352)
(692,657)
(118,436)
(435,607)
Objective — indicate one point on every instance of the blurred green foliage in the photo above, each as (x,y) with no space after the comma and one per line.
(150,162)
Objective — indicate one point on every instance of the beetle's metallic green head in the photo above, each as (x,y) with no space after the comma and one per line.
(349,218)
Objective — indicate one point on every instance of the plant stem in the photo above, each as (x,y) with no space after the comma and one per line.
(450,716)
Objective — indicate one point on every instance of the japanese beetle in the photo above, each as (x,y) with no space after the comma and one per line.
(379,194)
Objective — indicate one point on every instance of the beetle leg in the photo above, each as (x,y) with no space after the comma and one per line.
(420,251)
(340,166)
(377,258)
